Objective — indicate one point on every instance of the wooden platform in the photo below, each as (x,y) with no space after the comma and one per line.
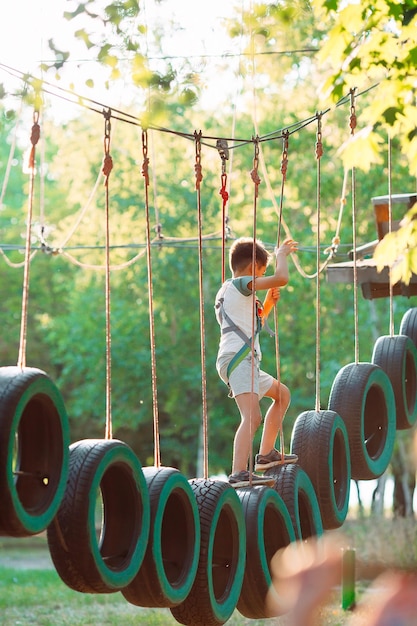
(374,284)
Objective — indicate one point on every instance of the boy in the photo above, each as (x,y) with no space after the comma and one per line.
(235,365)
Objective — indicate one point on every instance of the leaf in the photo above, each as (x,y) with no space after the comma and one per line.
(362,150)
(412,260)
(390,115)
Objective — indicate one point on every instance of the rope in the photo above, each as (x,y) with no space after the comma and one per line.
(81,213)
(391,286)
(330,250)
(107,168)
(284,165)
(16,265)
(155,412)
(352,124)
(198,180)
(256,181)
(284,169)
(223,149)
(34,138)
(92,266)
(319,154)
(11,155)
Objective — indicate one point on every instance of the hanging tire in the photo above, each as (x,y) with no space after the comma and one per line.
(34,440)
(362,395)
(171,559)
(408,325)
(268,529)
(397,355)
(320,440)
(297,491)
(100,551)
(218,582)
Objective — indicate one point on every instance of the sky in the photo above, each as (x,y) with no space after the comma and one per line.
(27,25)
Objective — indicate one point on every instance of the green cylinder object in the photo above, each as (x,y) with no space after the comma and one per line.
(348,579)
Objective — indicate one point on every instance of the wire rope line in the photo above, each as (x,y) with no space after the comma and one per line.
(155,411)
(107,168)
(120,115)
(198,180)
(34,138)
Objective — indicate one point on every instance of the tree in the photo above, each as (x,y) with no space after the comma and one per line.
(374,45)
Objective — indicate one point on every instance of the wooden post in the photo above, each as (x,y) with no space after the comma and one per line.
(348,579)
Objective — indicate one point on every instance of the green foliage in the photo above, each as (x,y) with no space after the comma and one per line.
(373,43)
(398,250)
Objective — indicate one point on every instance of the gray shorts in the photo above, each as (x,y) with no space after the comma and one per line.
(240,380)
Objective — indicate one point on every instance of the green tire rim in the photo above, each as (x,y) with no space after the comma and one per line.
(268,529)
(170,564)
(34,450)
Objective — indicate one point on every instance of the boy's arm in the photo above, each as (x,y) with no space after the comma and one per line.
(271,298)
(280,277)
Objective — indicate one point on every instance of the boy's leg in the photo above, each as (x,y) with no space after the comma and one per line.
(250,415)
(275,415)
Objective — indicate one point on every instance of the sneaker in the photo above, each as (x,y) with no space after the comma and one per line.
(265,461)
(244,479)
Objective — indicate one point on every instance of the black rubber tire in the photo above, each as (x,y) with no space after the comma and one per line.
(397,355)
(268,529)
(297,491)
(218,582)
(85,561)
(171,559)
(362,395)
(408,325)
(34,440)
(326,462)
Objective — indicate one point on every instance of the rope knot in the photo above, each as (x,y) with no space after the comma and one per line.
(284,166)
(145,170)
(198,174)
(224,194)
(107,165)
(36,133)
(255,176)
(223,191)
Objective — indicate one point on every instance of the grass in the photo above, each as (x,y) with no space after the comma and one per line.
(31,591)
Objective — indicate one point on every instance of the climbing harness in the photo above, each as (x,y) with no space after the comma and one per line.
(233,327)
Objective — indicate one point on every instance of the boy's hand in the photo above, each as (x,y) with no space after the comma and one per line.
(287,247)
(272,295)
(271,298)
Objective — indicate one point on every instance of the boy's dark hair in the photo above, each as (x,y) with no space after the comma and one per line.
(241,253)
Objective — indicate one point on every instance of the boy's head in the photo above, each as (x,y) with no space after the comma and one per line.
(241,254)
